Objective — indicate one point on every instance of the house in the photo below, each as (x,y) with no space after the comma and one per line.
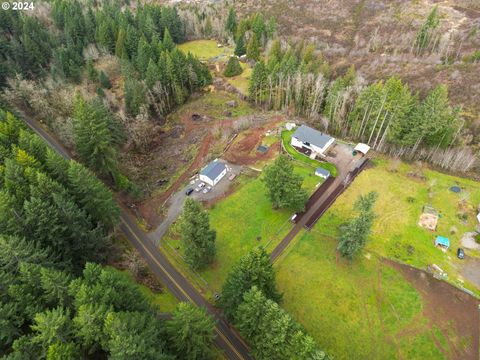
(478,217)
(213,172)
(323,173)
(306,138)
(442,241)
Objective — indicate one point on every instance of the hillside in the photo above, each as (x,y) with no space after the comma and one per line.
(379,36)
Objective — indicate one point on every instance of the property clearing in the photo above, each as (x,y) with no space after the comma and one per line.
(396,233)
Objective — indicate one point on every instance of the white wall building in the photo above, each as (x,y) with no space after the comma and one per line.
(213,172)
(311,139)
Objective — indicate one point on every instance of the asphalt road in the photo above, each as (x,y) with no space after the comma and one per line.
(227,338)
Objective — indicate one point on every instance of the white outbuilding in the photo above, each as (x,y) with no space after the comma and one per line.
(362,148)
(213,172)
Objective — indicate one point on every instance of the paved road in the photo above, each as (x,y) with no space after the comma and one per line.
(227,338)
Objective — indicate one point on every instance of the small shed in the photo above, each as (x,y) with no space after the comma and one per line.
(442,241)
(362,148)
(262,149)
(323,173)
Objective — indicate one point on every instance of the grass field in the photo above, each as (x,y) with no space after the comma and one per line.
(358,310)
(213,104)
(396,233)
(243,220)
(286,136)
(205,49)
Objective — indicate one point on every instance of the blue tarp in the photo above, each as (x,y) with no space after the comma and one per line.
(441,240)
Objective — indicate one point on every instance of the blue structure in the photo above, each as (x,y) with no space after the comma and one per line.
(442,241)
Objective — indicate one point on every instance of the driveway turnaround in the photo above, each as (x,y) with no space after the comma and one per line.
(227,338)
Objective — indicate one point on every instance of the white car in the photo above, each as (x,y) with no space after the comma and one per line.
(206,190)
(201,185)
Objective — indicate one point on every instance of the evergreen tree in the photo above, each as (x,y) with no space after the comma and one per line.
(253,49)
(354,234)
(152,76)
(168,43)
(271,331)
(120,46)
(198,238)
(284,186)
(253,269)
(93,138)
(93,195)
(134,96)
(134,335)
(240,46)
(144,54)
(231,24)
(258,81)
(192,332)
(233,67)
(104,80)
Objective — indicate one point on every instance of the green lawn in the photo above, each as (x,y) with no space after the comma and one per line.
(243,220)
(358,310)
(205,49)
(396,233)
(213,104)
(286,136)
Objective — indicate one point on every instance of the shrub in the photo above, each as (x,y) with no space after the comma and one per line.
(104,81)
(233,67)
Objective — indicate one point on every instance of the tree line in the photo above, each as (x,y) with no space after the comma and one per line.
(387,115)
(56,219)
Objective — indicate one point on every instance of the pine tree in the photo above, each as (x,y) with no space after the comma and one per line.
(240,46)
(284,186)
(104,80)
(192,332)
(152,75)
(144,54)
(120,46)
(93,195)
(231,24)
(258,81)
(93,138)
(233,67)
(134,96)
(354,234)
(253,49)
(168,43)
(253,269)
(134,335)
(198,238)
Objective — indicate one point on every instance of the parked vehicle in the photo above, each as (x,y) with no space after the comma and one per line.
(201,185)
(206,190)
(189,191)
(460,253)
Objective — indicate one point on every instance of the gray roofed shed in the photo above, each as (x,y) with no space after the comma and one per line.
(322,172)
(308,135)
(213,170)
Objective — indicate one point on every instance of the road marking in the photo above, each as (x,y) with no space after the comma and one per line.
(176,284)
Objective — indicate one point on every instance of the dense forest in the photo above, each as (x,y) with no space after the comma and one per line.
(56,219)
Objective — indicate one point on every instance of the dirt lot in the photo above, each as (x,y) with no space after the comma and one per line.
(448,308)
(244,150)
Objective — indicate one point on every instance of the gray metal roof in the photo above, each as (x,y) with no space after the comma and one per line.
(322,171)
(308,135)
(213,169)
